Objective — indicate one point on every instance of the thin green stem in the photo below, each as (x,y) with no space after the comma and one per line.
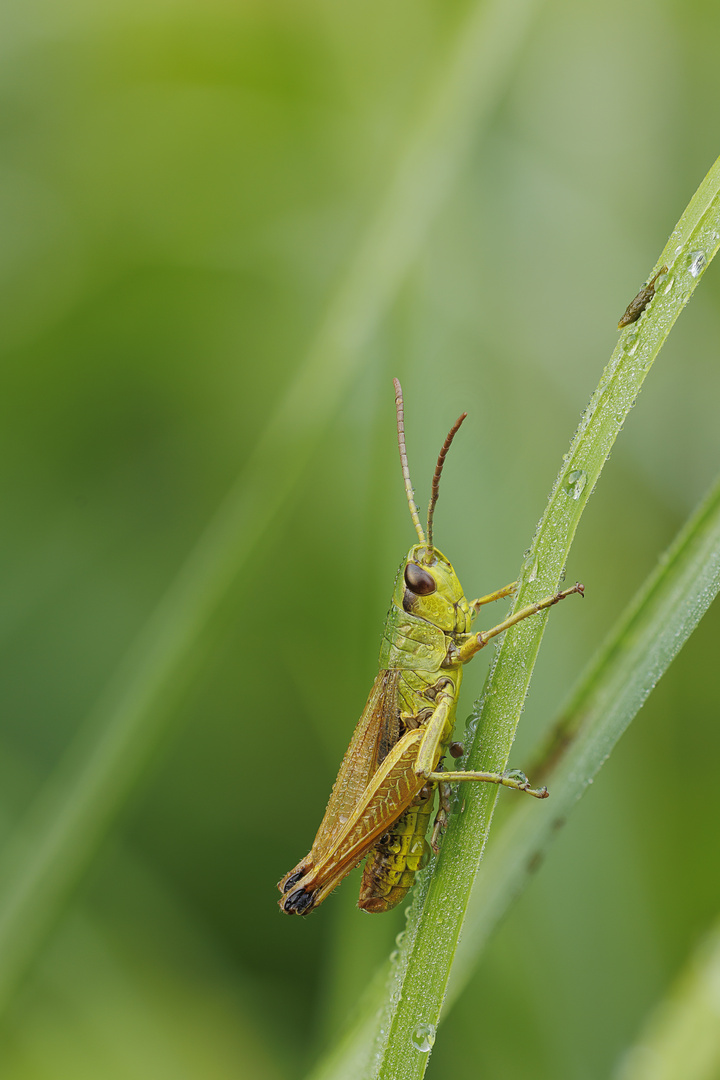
(636,654)
(418,986)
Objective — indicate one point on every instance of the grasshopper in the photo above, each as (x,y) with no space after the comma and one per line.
(381,801)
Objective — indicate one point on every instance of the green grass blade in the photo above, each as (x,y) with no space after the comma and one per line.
(682,1037)
(50,851)
(654,627)
(417,989)
(651,632)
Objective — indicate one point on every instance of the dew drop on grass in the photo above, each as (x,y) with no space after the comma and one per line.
(575,482)
(630,342)
(423,1037)
(530,566)
(696,260)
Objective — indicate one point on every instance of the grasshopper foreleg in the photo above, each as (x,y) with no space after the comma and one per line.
(478,641)
(499,594)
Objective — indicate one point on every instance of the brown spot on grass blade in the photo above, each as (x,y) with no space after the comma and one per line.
(638,304)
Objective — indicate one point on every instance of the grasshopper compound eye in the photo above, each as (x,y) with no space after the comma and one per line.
(418,580)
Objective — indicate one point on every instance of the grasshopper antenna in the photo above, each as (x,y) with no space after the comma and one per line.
(435,490)
(399,408)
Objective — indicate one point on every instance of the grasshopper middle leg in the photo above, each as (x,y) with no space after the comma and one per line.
(430,750)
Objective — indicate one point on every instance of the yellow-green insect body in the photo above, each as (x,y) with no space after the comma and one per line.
(421,634)
(381,801)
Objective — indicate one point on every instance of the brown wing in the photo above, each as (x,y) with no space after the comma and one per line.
(387,796)
(376,732)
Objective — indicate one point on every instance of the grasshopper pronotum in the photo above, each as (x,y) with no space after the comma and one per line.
(382,798)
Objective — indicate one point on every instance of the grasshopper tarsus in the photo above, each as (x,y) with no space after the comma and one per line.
(578,588)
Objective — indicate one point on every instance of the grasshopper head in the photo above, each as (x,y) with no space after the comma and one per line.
(431,591)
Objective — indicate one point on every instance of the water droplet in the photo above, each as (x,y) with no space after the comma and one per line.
(575,482)
(530,567)
(669,284)
(696,260)
(630,342)
(423,1037)
(394,956)
(517,774)
(400,938)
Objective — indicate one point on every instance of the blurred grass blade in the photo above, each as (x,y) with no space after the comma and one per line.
(682,1037)
(52,848)
(654,628)
(417,988)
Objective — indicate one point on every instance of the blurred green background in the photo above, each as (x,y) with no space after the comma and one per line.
(183,187)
